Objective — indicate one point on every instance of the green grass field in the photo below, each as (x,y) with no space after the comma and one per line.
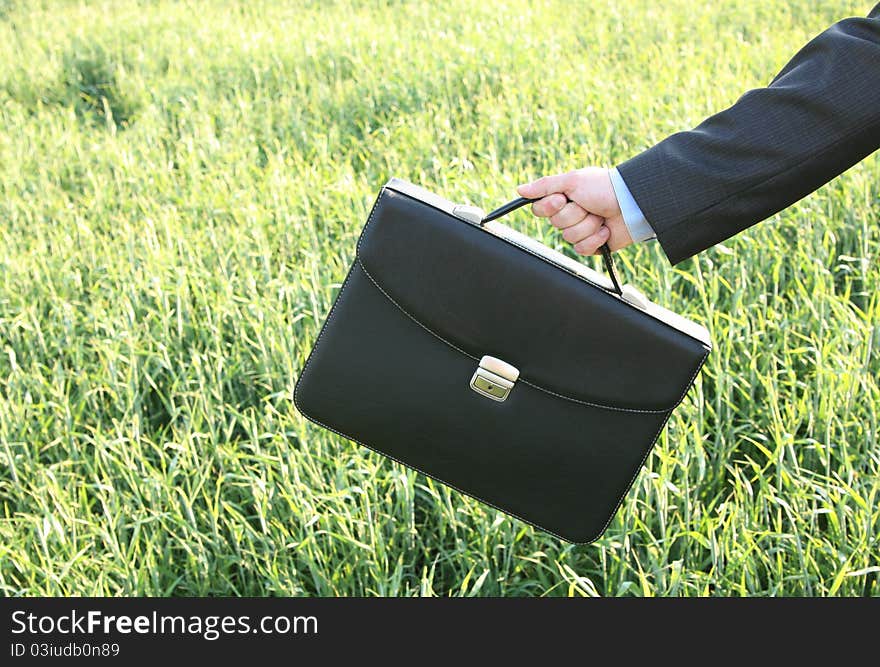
(181,189)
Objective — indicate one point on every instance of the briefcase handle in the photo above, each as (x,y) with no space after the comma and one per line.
(606,251)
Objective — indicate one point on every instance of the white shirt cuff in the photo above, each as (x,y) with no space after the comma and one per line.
(638,227)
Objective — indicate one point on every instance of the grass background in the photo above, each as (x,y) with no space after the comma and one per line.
(181,188)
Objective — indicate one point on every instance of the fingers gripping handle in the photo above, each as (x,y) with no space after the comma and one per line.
(606,251)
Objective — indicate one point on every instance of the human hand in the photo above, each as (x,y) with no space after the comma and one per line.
(583,205)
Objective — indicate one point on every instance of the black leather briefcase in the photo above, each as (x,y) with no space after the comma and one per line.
(496,365)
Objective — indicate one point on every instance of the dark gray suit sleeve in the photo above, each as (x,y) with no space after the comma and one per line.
(818,117)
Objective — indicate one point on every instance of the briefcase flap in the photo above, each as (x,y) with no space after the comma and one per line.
(482,295)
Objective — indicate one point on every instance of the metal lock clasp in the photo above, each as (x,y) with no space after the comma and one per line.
(494,378)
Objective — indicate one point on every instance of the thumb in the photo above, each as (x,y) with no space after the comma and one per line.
(544,186)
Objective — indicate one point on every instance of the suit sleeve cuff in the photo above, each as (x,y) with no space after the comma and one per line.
(636,223)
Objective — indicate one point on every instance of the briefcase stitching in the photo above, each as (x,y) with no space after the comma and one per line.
(521,378)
